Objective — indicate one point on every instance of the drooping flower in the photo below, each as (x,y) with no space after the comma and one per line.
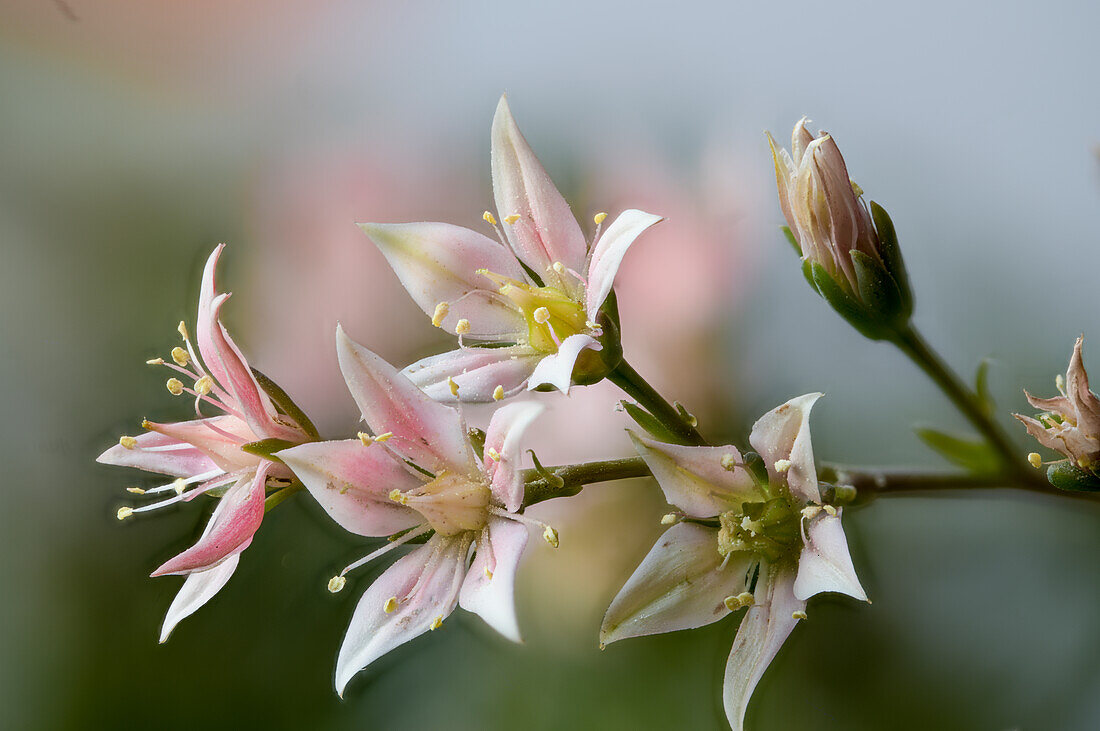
(743,541)
(529,309)
(1070,423)
(418,474)
(206,452)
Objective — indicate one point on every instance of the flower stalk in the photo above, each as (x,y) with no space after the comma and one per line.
(631,382)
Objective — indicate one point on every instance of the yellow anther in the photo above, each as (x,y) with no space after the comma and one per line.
(440,313)
(1060,383)
(384,436)
(175,386)
(511,219)
(599,218)
(398,497)
(498,393)
(181,356)
(542,315)
(437,623)
(669,518)
(489,218)
(1035,460)
(183,330)
(179,485)
(127,442)
(124,513)
(829,509)
(462,326)
(488,574)
(135,490)
(155,361)
(744,599)
(492,454)
(336,583)
(799,614)
(810,511)
(559,267)
(204,385)
(550,536)
(453,385)
(729,462)
(782,465)
(390,606)
(365,438)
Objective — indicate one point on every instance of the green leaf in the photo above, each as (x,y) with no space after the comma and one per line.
(891,255)
(267,448)
(877,289)
(791,239)
(477,441)
(846,305)
(285,404)
(651,424)
(971,454)
(1068,476)
(553,480)
(981,387)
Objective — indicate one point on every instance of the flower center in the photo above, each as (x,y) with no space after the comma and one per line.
(450,503)
(769,528)
(551,315)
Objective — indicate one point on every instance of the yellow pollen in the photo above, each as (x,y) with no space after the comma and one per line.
(798,614)
(489,218)
(511,219)
(336,583)
(542,315)
(183,330)
(437,623)
(1035,460)
(550,536)
(744,599)
(398,497)
(384,436)
(179,485)
(782,465)
(124,513)
(365,439)
(440,313)
(204,385)
(175,386)
(1060,383)
(492,454)
(728,461)
(155,361)
(453,385)
(829,509)
(599,218)
(390,606)
(181,356)
(462,326)
(135,490)
(559,267)
(669,518)
(127,442)
(810,511)
(488,574)
(498,393)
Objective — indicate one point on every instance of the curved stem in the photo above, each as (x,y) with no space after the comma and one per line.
(573,477)
(632,383)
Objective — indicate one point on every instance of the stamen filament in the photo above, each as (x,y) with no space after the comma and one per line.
(414,533)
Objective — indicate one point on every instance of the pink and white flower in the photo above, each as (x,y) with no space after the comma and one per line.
(535,296)
(740,542)
(417,473)
(1070,423)
(206,452)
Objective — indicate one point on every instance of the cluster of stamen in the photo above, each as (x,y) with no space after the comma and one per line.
(769,528)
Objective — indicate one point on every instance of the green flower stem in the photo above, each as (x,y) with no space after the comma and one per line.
(870,483)
(629,380)
(913,344)
(573,477)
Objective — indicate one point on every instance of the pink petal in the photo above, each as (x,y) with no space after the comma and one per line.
(428,433)
(177,462)
(608,253)
(546,231)
(492,597)
(219,438)
(503,437)
(557,369)
(352,482)
(198,588)
(1085,403)
(236,519)
(825,563)
(693,478)
(784,433)
(438,262)
(477,371)
(762,632)
(426,584)
(680,584)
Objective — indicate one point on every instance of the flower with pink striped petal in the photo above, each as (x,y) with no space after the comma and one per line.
(741,539)
(529,310)
(417,474)
(205,453)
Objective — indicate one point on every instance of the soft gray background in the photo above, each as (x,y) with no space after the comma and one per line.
(136,136)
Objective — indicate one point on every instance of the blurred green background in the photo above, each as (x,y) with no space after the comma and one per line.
(135,136)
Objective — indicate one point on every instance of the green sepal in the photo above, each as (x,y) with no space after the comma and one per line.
(973,455)
(1068,476)
(285,404)
(651,424)
(846,305)
(789,235)
(477,441)
(891,256)
(808,272)
(267,448)
(593,365)
(877,290)
(756,467)
(280,495)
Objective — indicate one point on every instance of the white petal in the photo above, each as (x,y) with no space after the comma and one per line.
(693,478)
(426,584)
(825,563)
(492,597)
(503,436)
(557,369)
(762,632)
(679,585)
(477,371)
(784,434)
(608,254)
(198,588)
